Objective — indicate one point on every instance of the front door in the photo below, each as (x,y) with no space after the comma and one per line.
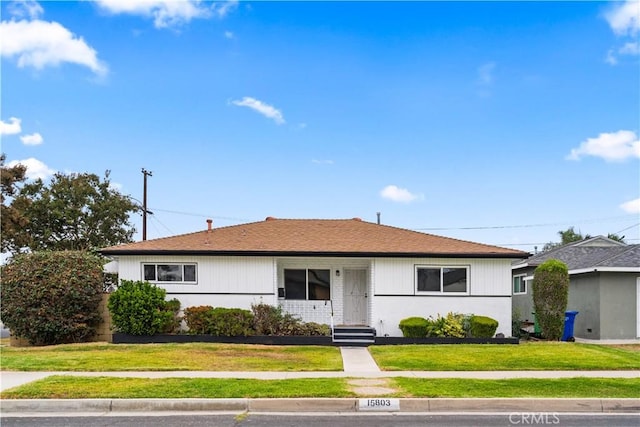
(355,297)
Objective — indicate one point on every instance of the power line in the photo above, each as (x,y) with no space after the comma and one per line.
(202,215)
(496,227)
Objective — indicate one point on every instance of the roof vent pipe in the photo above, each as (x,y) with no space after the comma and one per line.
(378,214)
(209,224)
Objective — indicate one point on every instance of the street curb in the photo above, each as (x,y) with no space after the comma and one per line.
(106,406)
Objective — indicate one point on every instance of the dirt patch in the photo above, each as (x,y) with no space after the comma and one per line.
(372,387)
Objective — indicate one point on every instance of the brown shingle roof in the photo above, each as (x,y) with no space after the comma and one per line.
(336,237)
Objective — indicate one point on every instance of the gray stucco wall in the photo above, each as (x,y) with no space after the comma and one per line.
(584,297)
(522,304)
(607,304)
(618,305)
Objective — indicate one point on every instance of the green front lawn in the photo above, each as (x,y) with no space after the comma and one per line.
(494,357)
(64,387)
(170,357)
(239,357)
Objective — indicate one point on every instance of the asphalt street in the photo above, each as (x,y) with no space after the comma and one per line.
(333,420)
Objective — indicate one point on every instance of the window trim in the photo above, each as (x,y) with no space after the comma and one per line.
(441,292)
(306,298)
(523,284)
(170,282)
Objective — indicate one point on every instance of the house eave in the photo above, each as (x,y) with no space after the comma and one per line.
(126,252)
(605,270)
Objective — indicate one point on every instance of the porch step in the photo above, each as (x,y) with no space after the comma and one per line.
(354,335)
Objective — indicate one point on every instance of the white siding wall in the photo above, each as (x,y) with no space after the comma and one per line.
(221,281)
(242,281)
(394,292)
(396,276)
(388,311)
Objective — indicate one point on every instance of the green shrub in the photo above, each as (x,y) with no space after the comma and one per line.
(198,319)
(451,326)
(231,322)
(52,297)
(483,327)
(550,296)
(173,323)
(414,327)
(139,308)
(271,320)
(313,329)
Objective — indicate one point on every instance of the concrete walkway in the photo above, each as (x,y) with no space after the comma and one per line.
(358,360)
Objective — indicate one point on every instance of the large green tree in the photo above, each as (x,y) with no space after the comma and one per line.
(12,219)
(78,211)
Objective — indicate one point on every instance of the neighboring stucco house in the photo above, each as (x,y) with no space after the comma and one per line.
(340,272)
(604,287)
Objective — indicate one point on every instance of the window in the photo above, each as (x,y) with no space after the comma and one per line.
(307,284)
(172,273)
(519,285)
(442,280)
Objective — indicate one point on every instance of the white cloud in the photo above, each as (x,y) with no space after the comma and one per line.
(630,48)
(624,18)
(40,44)
(322,162)
(25,9)
(11,127)
(632,206)
(485,73)
(168,13)
(35,168)
(222,10)
(33,139)
(262,108)
(615,146)
(398,194)
(228,35)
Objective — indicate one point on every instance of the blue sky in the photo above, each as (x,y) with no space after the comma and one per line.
(496,122)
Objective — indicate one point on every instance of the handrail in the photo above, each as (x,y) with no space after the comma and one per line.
(332,326)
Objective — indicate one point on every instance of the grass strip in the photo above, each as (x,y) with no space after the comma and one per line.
(493,357)
(64,387)
(521,387)
(171,357)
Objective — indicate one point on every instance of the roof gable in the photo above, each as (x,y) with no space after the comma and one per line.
(594,252)
(339,237)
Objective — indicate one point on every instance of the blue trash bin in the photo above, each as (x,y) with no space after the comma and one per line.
(569,320)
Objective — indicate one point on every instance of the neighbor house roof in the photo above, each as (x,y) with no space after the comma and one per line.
(297,237)
(593,253)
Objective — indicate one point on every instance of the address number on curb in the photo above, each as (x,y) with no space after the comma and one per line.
(385,405)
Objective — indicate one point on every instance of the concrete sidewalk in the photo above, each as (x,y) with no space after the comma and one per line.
(357,363)
(14,379)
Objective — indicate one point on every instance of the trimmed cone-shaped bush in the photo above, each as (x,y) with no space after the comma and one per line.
(52,297)
(550,296)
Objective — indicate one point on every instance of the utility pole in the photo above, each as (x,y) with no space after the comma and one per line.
(144,204)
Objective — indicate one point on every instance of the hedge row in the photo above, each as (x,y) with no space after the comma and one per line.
(262,319)
(139,308)
(453,325)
